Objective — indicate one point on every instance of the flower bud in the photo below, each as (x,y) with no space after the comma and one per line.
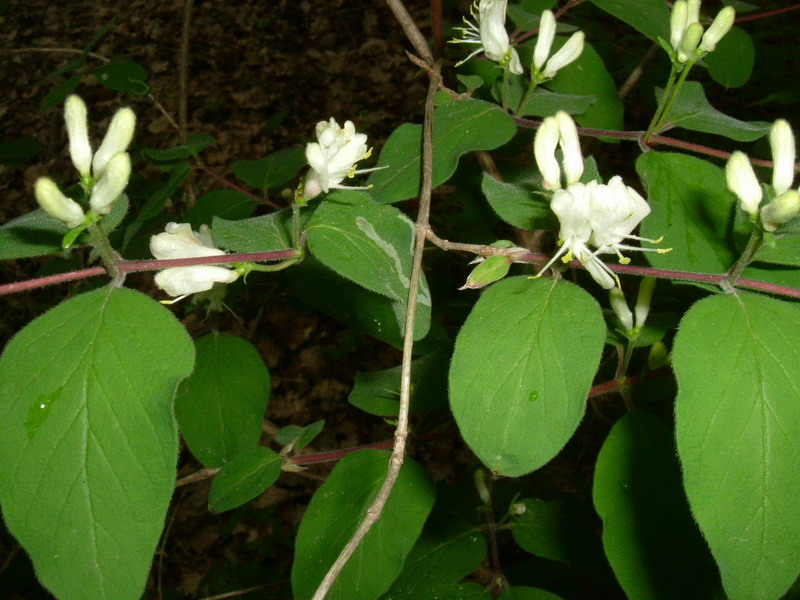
(571,147)
(781,140)
(567,54)
(78,133)
(544,150)
(547,32)
(742,181)
(642,308)
(480,485)
(678,23)
(118,138)
(718,29)
(488,271)
(689,42)
(692,12)
(56,204)
(111,184)
(658,356)
(617,299)
(781,210)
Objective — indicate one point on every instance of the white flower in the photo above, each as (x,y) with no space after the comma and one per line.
(490,35)
(781,210)
(179,241)
(781,141)
(743,182)
(718,29)
(558,131)
(333,157)
(616,211)
(568,53)
(686,32)
(95,168)
(56,204)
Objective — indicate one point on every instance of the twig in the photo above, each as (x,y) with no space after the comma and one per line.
(637,72)
(241,592)
(202,166)
(557,15)
(411,30)
(183,69)
(768,13)
(401,432)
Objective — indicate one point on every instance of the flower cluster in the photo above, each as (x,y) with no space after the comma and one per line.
(333,157)
(490,35)
(104,174)
(542,67)
(590,214)
(179,241)
(742,180)
(686,32)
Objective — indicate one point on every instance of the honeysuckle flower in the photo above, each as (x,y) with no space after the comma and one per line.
(104,174)
(567,54)
(56,204)
(593,214)
(743,182)
(490,35)
(333,157)
(686,32)
(179,241)
(558,131)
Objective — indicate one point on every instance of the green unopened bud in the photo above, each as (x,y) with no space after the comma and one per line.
(658,356)
(642,308)
(689,42)
(111,184)
(678,23)
(490,270)
(781,210)
(480,485)
(56,204)
(718,29)
(742,181)
(620,307)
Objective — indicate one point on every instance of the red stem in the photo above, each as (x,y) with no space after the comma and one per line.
(768,13)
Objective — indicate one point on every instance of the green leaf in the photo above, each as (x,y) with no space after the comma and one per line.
(731,63)
(88,446)
(692,111)
(737,362)
(370,244)
(508,394)
(444,554)
(15,152)
(272,170)
(156,202)
(543,103)
(588,76)
(378,392)
(59,93)
(460,591)
(36,233)
(691,208)
(300,437)
(335,512)
(257,234)
(561,530)
(226,204)
(220,406)
(368,312)
(650,17)
(518,205)
(193,146)
(785,252)
(126,76)
(528,593)
(650,539)
(459,127)
(245,477)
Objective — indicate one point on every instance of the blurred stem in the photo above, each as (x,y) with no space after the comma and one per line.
(296,226)
(753,244)
(670,98)
(504,91)
(662,103)
(527,95)
(100,241)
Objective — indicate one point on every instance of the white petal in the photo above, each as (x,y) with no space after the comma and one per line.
(118,138)
(180,281)
(781,139)
(567,54)
(111,184)
(547,33)
(677,22)
(544,151)
(743,182)
(179,241)
(571,147)
(56,204)
(77,130)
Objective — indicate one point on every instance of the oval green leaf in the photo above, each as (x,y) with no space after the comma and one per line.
(650,539)
(737,361)
(220,406)
(335,512)
(459,127)
(246,476)
(508,391)
(89,444)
